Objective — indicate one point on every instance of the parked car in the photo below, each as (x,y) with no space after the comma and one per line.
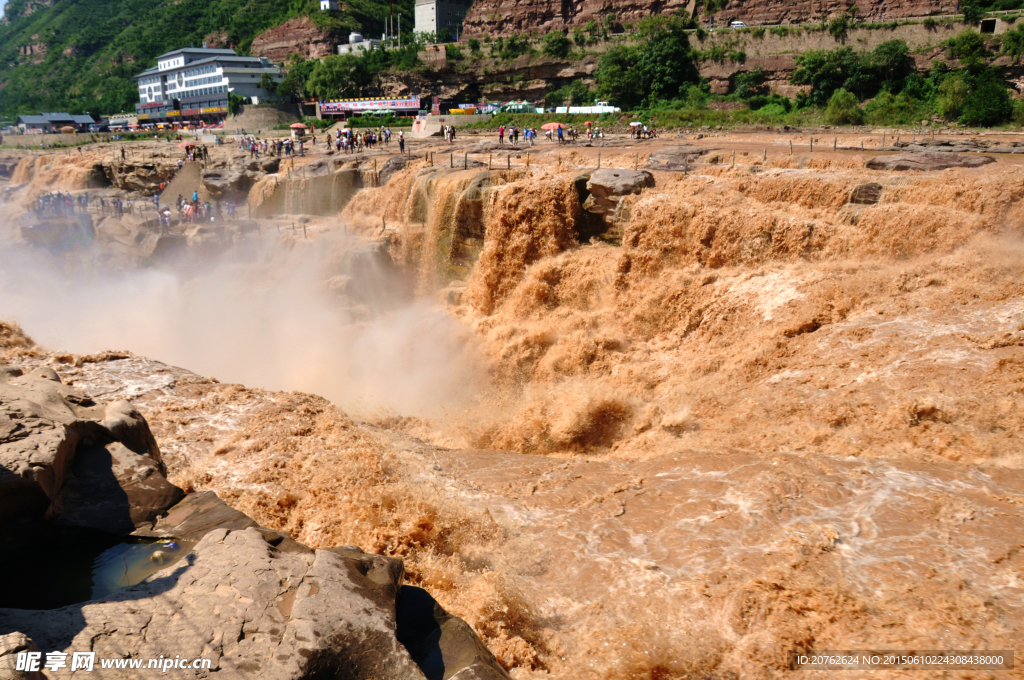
(737,24)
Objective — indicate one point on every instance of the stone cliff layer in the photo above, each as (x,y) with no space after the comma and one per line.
(295,36)
(505,17)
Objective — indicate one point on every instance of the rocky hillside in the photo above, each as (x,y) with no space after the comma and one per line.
(505,17)
(80,56)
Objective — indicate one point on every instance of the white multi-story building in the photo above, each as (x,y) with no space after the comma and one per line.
(441,17)
(193,84)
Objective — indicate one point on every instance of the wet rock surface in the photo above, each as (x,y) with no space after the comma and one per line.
(928,160)
(868,193)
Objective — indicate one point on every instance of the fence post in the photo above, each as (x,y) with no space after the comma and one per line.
(636,161)
(451,159)
(465,161)
(835,141)
(733,159)
(489,160)
(598,160)
(812,144)
(765,157)
(791,147)
(883,141)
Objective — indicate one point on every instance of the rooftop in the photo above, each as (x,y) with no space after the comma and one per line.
(199,50)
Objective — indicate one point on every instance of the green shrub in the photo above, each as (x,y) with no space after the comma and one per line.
(556,44)
(1018,112)
(579,37)
(758,32)
(953,94)
(839,27)
(474,45)
(1013,42)
(989,101)
(843,109)
(972,13)
(968,45)
(747,84)
(930,24)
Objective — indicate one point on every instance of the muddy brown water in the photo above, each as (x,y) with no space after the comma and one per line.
(767,421)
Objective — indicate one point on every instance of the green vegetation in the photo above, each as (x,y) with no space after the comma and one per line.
(556,44)
(575,93)
(844,109)
(658,68)
(93,49)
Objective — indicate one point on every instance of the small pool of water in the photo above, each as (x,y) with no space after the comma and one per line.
(46,566)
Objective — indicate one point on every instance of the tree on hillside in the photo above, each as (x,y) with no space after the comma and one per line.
(989,100)
(659,68)
(829,70)
(339,76)
(890,61)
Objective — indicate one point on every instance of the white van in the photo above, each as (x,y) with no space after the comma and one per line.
(737,24)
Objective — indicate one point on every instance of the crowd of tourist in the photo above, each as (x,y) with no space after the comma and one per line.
(351,141)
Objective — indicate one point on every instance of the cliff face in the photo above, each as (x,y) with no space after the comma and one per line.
(294,36)
(504,17)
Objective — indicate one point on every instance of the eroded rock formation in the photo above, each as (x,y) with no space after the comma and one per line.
(68,458)
(295,36)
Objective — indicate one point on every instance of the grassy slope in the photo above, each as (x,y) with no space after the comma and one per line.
(94,47)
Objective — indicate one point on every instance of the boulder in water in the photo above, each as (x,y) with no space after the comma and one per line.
(928,160)
(868,193)
(614,182)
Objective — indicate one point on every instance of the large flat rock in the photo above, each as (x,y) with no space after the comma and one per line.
(928,160)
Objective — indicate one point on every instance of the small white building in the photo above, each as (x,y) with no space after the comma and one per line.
(357,43)
(327,5)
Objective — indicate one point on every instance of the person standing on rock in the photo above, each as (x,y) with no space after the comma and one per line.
(501,134)
(401,141)
(195,196)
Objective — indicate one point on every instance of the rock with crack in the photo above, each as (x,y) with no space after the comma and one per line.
(928,160)
(68,458)
(11,645)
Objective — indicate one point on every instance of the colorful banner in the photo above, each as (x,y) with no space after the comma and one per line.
(339,105)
